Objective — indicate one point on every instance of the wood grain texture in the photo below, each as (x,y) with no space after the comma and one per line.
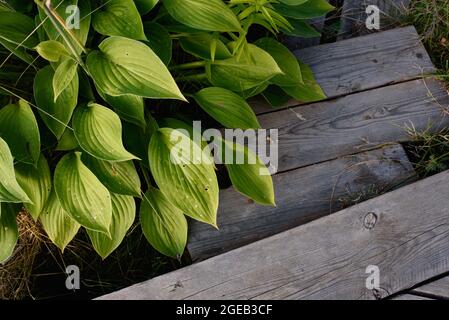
(405,233)
(302,195)
(438,288)
(353,16)
(363,63)
(323,131)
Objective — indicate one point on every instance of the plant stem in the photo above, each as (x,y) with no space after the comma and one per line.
(190,65)
(193,77)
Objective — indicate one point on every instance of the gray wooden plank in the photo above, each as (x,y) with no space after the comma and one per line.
(363,63)
(437,288)
(353,20)
(404,232)
(302,195)
(322,131)
(410,297)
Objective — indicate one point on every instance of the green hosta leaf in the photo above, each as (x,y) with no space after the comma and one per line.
(275,96)
(130,108)
(82,195)
(21,53)
(307,10)
(228,108)
(123,216)
(164,225)
(36,181)
(63,77)
(245,73)
(310,91)
(200,45)
(10,190)
(285,60)
(159,40)
(252,178)
(52,50)
(17,29)
(209,15)
(125,66)
(56,115)
(301,29)
(145,6)
(98,131)
(60,228)
(183,172)
(254,91)
(18,127)
(118,177)
(9,233)
(119,18)
(67,142)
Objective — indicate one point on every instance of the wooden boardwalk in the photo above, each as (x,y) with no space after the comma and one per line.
(330,153)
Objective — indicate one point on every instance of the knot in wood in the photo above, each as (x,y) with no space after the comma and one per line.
(370,220)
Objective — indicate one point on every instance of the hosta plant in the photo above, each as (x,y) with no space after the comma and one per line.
(92,93)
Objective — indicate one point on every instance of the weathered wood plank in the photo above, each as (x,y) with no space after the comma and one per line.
(302,195)
(410,297)
(438,288)
(363,63)
(404,232)
(323,131)
(353,20)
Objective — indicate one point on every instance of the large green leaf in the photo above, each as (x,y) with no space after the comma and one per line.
(125,66)
(163,224)
(52,50)
(145,6)
(56,115)
(301,29)
(9,233)
(294,2)
(10,190)
(227,107)
(242,73)
(184,173)
(98,131)
(201,45)
(209,15)
(123,216)
(252,178)
(18,127)
(129,107)
(36,181)
(118,177)
(63,77)
(17,29)
(307,10)
(309,91)
(137,139)
(60,228)
(159,40)
(285,60)
(119,18)
(82,195)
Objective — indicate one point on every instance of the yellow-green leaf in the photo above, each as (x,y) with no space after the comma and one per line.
(163,224)
(98,131)
(60,228)
(9,233)
(36,181)
(184,174)
(123,216)
(82,195)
